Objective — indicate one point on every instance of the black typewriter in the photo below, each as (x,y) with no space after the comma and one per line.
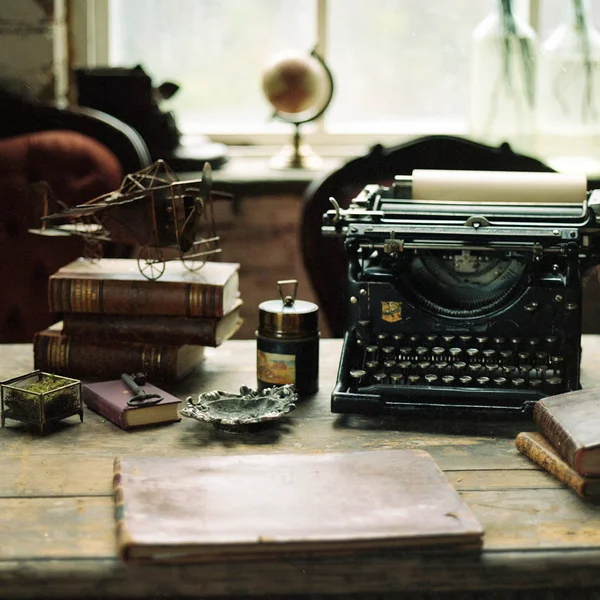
(463,304)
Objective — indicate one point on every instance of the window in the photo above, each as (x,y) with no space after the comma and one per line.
(401,67)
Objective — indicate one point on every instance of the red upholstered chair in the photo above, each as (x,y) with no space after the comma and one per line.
(78,168)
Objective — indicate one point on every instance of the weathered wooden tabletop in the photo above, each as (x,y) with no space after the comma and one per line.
(56,515)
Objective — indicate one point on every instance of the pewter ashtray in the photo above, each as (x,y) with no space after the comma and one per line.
(245,411)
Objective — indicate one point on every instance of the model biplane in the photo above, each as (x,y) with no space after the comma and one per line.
(151,209)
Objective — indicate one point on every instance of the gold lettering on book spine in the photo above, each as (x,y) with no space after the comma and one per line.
(151,359)
(57,357)
(202,300)
(85,295)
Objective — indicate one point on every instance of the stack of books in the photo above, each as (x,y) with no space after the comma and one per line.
(115,321)
(568,443)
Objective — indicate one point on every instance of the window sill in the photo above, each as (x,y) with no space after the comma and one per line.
(248,171)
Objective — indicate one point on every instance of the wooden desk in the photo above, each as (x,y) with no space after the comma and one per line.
(56,520)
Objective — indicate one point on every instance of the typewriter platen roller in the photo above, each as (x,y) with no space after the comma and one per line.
(464,290)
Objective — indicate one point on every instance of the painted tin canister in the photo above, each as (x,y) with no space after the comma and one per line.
(287,342)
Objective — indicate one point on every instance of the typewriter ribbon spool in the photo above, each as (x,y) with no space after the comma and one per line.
(287,342)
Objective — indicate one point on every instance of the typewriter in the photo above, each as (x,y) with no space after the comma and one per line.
(464,290)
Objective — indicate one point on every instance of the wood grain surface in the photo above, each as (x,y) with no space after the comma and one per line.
(56,509)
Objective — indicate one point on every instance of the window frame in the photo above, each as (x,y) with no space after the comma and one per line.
(89,22)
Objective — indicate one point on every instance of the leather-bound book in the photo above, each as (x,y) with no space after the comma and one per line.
(109,399)
(206,508)
(537,448)
(571,423)
(204,331)
(56,353)
(115,286)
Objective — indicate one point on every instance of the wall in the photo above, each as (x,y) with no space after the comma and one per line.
(263,238)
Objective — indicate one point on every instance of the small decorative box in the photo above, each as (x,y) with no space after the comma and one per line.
(40,398)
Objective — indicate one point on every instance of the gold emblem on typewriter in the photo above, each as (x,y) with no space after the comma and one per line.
(391,311)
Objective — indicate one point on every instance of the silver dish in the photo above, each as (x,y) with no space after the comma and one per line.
(244,411)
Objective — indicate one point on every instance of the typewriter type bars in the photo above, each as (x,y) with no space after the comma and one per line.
(463,305)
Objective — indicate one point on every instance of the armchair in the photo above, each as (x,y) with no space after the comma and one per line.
(81,154)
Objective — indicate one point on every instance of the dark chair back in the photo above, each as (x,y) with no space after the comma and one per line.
(324,258)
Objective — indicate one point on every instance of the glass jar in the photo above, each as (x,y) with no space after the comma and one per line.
(569,85)
(502,80)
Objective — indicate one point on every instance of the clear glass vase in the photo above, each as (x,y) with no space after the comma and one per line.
(569,86)
(502,80)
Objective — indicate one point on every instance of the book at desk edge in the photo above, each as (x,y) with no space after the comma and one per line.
(116,286)
(56,353)
(207,508)
(538,449)
(569,422)
(204,331)
(109,399)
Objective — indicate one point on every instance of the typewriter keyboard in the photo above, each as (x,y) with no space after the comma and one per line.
(459,361)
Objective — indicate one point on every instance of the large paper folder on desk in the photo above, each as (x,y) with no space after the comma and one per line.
(226,507)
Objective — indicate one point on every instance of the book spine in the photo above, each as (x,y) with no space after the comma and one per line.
(166,331)
(558,435)
(62,355)
(110,411)
(118,297)
(529,447)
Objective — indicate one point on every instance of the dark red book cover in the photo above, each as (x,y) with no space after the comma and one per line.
(109,398)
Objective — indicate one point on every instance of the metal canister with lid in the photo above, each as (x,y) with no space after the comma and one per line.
(287,342)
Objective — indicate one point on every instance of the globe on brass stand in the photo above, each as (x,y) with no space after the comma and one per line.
(299,88)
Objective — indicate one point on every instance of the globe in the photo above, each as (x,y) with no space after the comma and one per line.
(293,82)
(300,88)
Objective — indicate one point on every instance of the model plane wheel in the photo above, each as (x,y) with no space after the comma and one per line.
(190,263)
(151,262)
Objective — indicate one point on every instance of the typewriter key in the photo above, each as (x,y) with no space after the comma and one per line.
(388,352)
(372,366)
(455,352)
(448,379)
(431,379)
(466,379)
(437,352)
(554,385)
(500,381)
(379,378)
(287,342)
(388,365)
(489,353)
(396,379)
(357,375)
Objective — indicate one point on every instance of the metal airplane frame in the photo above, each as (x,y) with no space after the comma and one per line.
(152,209)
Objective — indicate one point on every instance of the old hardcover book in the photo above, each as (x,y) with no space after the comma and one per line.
(570,423)
(115,286)
(205,331)
(537,448)
(109,398)
(56,353)
(205,508)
